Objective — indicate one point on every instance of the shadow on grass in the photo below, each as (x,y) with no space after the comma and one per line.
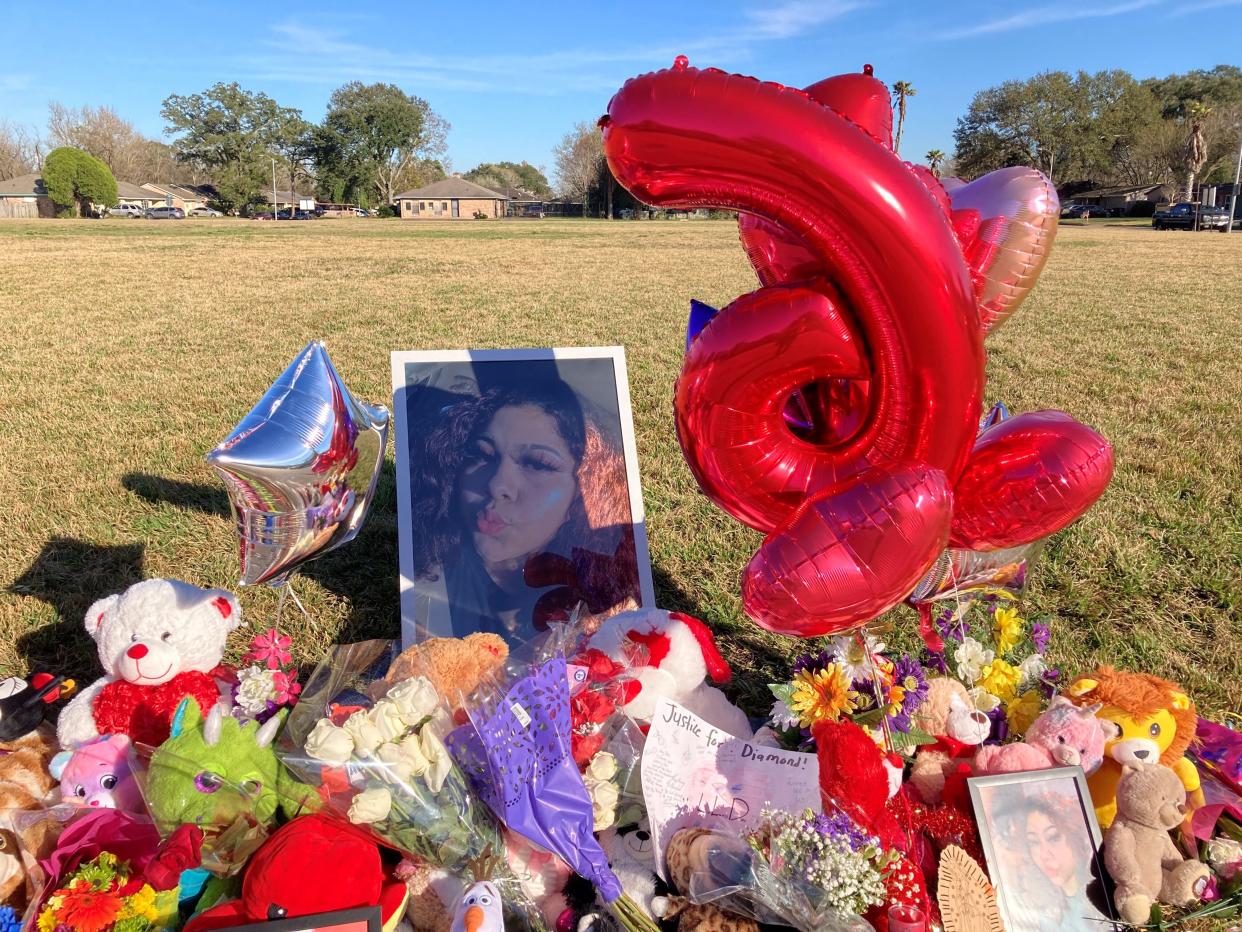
(69,575)
(189,496)
(362,572)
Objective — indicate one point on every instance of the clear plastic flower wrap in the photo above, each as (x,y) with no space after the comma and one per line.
(382,763)
(816,873)
(517,750)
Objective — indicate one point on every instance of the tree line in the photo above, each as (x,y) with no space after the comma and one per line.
(374,141)
(1107,128)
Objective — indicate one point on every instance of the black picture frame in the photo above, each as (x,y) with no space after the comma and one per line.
(320,922)
(1060,885)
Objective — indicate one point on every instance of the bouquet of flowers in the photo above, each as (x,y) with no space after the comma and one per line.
(104,895)
(850,680)
(812,872)
(999,657)
(382,763)
(518,752)
(269,681)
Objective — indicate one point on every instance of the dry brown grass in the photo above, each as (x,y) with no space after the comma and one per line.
(132,347)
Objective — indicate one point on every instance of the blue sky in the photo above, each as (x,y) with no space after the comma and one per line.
(512,78)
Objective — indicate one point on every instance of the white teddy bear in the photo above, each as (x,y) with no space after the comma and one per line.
(679,655)
(159,641)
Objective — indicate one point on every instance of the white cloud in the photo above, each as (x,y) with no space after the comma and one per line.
(1044,15)
(302,53)
(796,17)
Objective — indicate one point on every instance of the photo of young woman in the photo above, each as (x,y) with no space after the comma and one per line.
(519,506)
(1042,853)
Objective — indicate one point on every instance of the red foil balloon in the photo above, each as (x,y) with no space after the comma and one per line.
(843,554)
(1028,477)
(731,397)
(687,138)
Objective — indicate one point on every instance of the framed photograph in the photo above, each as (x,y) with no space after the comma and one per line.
(1042,845)
(363,919)
(518,498)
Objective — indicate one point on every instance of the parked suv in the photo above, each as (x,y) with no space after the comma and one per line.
(1183,217)
(125,210)
(165,213)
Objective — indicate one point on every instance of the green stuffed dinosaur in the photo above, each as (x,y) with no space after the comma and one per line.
(211,771)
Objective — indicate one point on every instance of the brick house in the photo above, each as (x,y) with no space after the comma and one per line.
(450,199)
(25,196)
(187,197)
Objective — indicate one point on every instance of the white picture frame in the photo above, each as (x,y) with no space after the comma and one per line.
(599,379)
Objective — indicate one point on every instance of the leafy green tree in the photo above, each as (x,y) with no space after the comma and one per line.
(371,136)
(513,174)
(1067,126)
(76,180)
(233,134)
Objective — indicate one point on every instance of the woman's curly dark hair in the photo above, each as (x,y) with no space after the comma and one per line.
(598,518)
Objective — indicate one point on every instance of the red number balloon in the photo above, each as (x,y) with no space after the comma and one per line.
(868,324)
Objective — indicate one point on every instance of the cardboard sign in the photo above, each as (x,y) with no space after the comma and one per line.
(697,776)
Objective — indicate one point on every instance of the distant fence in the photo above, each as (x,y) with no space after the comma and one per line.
(18,209)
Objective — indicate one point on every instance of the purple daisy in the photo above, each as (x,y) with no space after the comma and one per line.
(1040,635)
(950,629)
(817,661)
(935,660)
(909,674)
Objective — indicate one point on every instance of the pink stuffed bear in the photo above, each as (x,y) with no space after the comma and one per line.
(1063,736)
(98,775)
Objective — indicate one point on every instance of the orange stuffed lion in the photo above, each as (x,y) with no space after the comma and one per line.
(1154,721)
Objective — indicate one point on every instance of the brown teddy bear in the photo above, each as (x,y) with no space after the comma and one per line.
(25,785)
(455,666)
(949,715)
(1138,852)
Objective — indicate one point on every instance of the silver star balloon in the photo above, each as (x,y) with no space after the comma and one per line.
(301,468)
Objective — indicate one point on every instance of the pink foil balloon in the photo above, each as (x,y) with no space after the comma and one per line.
(1016,212)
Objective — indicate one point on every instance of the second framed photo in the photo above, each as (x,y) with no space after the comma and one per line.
(519,503)
(1042,844)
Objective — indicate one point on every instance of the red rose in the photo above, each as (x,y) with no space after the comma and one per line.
(181,851)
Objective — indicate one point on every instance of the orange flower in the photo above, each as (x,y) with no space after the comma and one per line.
(89,910)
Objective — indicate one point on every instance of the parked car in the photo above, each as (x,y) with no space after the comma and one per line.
(1189,217)
(288,214)
(266,215)
(362,213)
(205,212)
(125,210)
(165,213)
(1085,211)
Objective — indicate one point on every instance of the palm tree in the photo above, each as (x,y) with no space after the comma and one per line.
(935,158)
(1194,153)
(901,90)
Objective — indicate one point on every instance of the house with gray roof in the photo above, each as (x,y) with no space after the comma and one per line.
(452,198)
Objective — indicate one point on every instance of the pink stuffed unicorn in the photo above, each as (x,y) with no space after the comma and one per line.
(98,775)
(1063,736)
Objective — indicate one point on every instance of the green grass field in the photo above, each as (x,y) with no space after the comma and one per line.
(132,347)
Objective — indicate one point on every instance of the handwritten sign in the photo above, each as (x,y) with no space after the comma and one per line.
(697,776)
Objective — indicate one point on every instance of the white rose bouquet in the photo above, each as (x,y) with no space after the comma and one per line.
(383,764)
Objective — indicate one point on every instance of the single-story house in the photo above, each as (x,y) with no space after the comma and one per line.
(17,193)
(187,197)
(127,193)
(1138,199)
(450,199)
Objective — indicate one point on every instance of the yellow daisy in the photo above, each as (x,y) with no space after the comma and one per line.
(1022,711)
(1006,630)
(821,695)
(1001,679)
